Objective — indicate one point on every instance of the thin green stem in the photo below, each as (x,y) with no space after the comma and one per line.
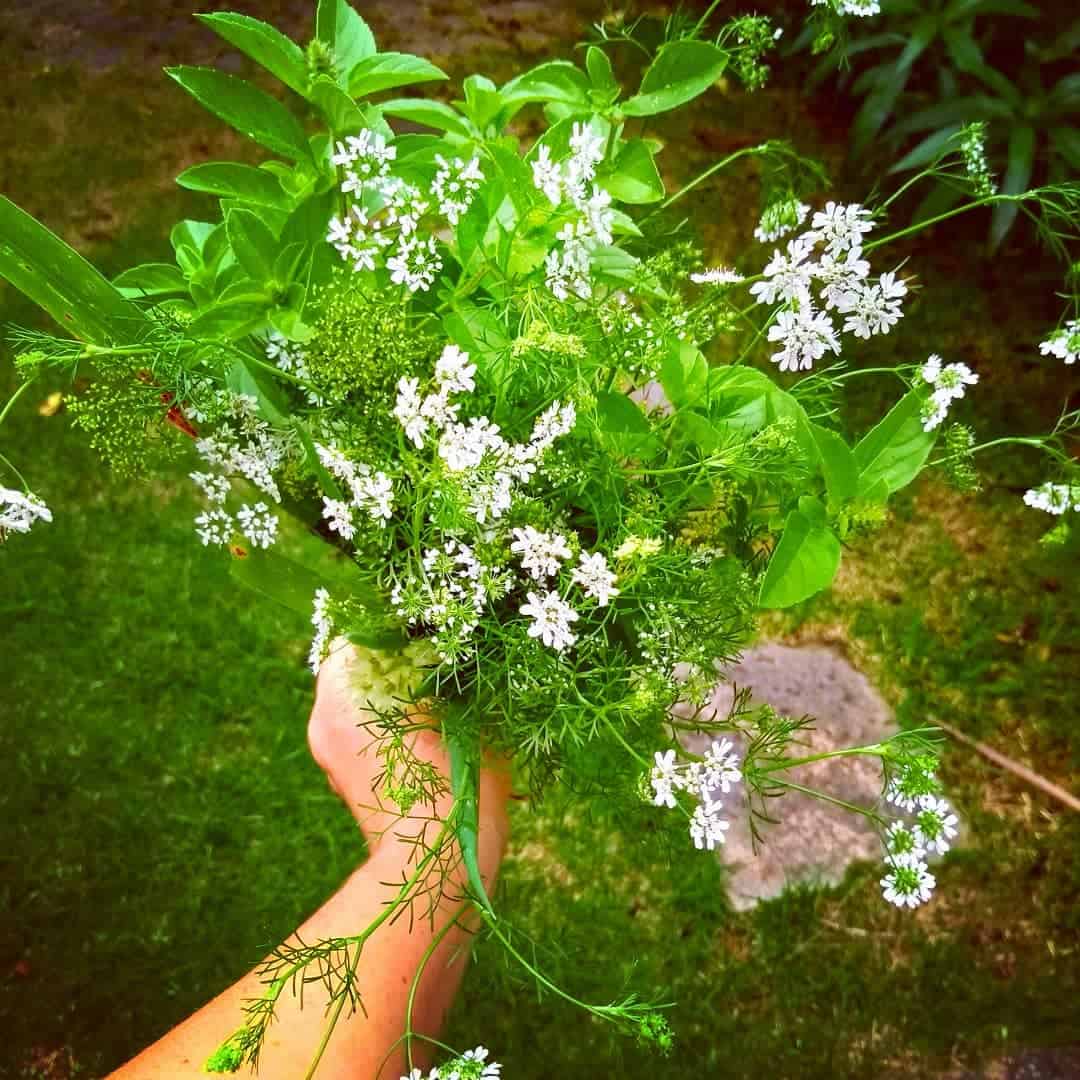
(877,750)
(702,177)
(815,794)
(22,479)
(15,397)
(900,234)
(414,986)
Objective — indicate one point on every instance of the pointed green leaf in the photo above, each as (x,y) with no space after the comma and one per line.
(151,279)
(432,114)
(229,180)
(837,465)
(634,177)
(895,450)
(265,45)
(464,785)
(681,71)
(804,562)
(253,244)
(57,278)
(339,26)
(250,110)
(684,374)
(387,70)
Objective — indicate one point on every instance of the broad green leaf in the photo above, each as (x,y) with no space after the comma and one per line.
(229,180)
(387,70)
(265,45)
(611,263)
(342,114)
(151,279)
(483,101)
(229,321)
(804,562)
(464,786)
(250,110)
(634,177)
(681,71)
(622,424)
(432,114)
(58,279)
(838,465)
(254,245)
(700,432)
(244,378)
(684,374)
(479,332)
(191,234)
(895,450)
(278,578)
(557,80)
(339,26)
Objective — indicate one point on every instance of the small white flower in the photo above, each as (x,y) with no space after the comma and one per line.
(339,517)
(463,446)
(1064,343)
(908,882)
(551,618)
(320,619)
(453,371)
(901,839)
(215,488)
(258,524)
(949,382)
(665,779)
(455,186)
(1053,498)
(721,766)
(19,511)
(869,311)
(547,175)
(806,335)
(439,409)
(780,218)
(557,420)
(707,827)
(787,276)
(839,275)
(408,410)
(595,576)
(541,552)
(416,264)
(373,493)
(214,527)
(717,275)
(841,226)
(935,824)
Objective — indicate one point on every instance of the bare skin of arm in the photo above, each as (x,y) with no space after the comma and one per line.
(362,1046)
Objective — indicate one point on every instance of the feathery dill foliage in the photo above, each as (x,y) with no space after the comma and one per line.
(554,472)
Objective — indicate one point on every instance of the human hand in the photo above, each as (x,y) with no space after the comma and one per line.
(349,755)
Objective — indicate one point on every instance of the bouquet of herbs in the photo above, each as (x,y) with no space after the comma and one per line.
(470,401)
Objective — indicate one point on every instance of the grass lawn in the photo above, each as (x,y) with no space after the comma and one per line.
(161,823)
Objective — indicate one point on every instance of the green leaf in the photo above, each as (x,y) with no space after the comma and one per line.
(192,235)
(387,70)
(930,149)
(254,245)
(245,107)
(464,785)
(278,578)
(681,71)
(634,177)
(58,279)
(684,374)
(339,26)
(342,114)
(482,100)
(266,46)
(557,80)
(601,73)
(432,114)
(804,562)
(622,424)
(229,321)
(479,332)
(244,378)
(1022,141)
(895,450)
(838,465)
(229,180)
(151,279)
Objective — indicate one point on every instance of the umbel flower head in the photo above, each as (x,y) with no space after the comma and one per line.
(19,511)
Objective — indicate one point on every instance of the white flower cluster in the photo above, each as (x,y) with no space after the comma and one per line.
(475,451)
(717,275)
(247,447)
(949,382)
(383,205)
(371,493)
(1064,343)
(19,511)
(1053,498)
(840,278)
(450,595)
(568,268)
(718,769)
(320,619)
(472,1065)
(908,881)
(858,8)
